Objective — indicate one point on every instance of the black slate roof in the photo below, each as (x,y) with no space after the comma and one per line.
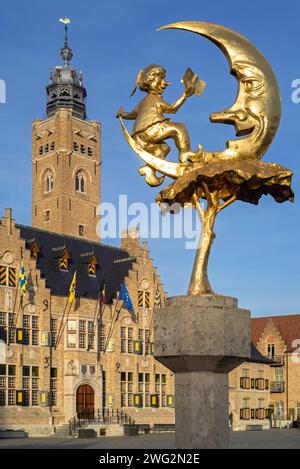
(257,357)
(113,264)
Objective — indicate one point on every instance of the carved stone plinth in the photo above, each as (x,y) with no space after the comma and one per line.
(201,339)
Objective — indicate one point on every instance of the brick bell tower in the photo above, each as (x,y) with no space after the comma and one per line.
(66,157)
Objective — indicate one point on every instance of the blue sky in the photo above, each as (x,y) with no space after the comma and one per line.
(256,254)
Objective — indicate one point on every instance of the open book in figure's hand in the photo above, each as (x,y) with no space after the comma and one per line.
(192,83)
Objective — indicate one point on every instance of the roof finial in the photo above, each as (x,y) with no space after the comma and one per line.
(66,53)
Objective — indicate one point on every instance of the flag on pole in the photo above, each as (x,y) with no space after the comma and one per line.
(72,289)
(124,295)
(157,301)
(22,280)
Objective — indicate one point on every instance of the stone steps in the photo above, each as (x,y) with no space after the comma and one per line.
(63,430)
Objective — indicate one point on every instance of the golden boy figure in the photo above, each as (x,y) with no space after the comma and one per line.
(151,127)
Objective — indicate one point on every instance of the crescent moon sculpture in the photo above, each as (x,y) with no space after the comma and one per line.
(255,114)
(257,110)
(219,178)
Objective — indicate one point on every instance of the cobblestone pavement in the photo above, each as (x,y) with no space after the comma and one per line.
(252,439)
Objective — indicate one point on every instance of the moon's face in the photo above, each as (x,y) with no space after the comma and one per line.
(256,111)
(250,102)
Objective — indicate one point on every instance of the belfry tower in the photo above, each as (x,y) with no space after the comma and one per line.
(66,157)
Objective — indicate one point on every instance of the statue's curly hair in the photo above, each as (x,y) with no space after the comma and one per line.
(144,76)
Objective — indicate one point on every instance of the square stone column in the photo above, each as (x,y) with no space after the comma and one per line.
(201,339)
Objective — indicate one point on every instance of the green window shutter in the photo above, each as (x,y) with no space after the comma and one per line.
(267,413)
(2,275)
(256,413)
(256,384)
(12,276)
(241,414)
(252,383)
(152,348)
(241,383)
(252,413)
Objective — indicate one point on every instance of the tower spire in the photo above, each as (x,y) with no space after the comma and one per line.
(66,89)
(66,52)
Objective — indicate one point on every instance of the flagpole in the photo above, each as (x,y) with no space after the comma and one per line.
(111,326)
(96,313)
(14,323)
(70,299)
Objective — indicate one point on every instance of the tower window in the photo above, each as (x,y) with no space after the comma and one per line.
(49,181)
(90,151)
(46,148)
(75,146)
(80,182)
(82,149)
(81,230)
(41,150)
(52,146)
(47,215)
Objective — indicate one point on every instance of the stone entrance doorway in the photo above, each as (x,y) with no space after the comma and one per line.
(85,402)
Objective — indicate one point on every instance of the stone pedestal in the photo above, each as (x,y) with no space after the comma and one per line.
(201,339)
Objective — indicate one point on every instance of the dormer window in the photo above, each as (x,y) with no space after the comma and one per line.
(92,266)
(64,261)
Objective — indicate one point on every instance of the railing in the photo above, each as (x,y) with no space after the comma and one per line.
(277,386)
(277,359)
(100,416)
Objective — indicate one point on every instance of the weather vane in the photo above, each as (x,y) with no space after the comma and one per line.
(65,20)
(215,178)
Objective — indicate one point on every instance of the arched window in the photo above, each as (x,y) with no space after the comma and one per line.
(49,181)
(80,182)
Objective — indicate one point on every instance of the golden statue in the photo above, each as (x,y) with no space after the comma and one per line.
(151,127)
(216,178)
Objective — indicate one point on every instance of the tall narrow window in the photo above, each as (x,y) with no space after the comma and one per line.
(49,181)
(80,182)
(81,230)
